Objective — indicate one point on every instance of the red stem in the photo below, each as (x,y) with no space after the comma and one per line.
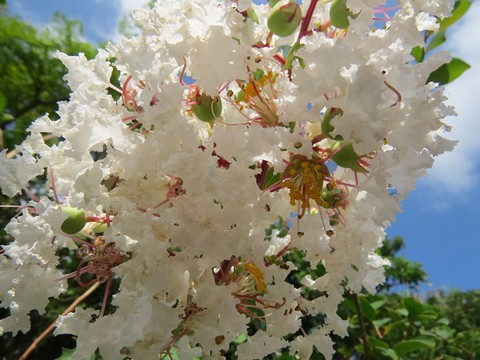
(307,19)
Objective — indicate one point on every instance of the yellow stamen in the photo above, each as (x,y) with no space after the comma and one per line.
(258,275)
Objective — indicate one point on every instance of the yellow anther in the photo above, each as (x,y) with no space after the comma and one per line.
(304,180)
(258,275)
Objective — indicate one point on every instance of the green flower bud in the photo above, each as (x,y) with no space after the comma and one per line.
(207,108)
(75,221)
(327,128)
(284,18)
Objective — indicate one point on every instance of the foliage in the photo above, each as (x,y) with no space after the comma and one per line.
(31,84)
(397,325)
(386,325)
(31,81)
(391,325)
(402,272)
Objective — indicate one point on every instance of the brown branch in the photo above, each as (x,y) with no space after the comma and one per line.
(52,325)
(363,329)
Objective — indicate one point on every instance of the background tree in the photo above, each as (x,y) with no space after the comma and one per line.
(31,84)
(408,325)
(31,80)
(387,325)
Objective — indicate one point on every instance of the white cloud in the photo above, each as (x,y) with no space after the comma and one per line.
(123,10)
(129,5)
(457,172)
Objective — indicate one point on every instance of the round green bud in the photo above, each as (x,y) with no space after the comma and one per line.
(207,108)
(327,127)
(284,18)
(272,3)
(75,221)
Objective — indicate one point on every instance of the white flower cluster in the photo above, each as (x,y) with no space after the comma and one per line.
(236,134)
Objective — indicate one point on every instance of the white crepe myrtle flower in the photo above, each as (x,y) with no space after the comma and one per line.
(225,146)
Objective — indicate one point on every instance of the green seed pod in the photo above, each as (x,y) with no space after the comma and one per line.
(75,221)
(284,18)
(346,156)
(272,3)
(327,128)
(207,108)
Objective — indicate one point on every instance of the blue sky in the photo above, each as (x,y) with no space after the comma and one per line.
(439,220)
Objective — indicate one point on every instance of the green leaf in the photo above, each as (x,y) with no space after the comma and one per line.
(377,343)
(476,349)
(240,339)
(402,312)
(443,321)
(291,55)
(418,53)
(377,304)
(66,354)
(413,306)
(3,102)
(437,40)
(348,302)
(339,14)
(460,9)
(415,344)
(428,315)
(447,73)
(6,117)
(381,322)
(387,353)
(444,332)
(286,357)
(367,310)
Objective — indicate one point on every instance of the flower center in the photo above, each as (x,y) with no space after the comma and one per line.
(259,95)
(304,179)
